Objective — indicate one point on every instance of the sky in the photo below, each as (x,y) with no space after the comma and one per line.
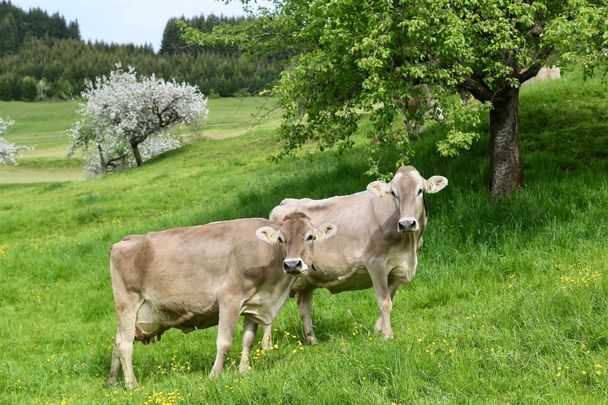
(129,21)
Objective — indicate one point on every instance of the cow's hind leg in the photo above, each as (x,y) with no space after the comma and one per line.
(127,305)
(225,334)
(249,330)
(267,338)
(392,289)
(305,308)
(115,367)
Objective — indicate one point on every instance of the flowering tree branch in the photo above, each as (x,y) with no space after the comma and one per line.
(9,151)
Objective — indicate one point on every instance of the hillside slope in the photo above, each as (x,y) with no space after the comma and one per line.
(509,303)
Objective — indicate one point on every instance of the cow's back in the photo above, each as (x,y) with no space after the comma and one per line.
(182,273)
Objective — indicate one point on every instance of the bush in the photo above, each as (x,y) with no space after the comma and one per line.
(65,89)
(28,88)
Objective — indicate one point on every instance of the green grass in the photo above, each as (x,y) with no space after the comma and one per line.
(509,303)
(41,124)
(44,125)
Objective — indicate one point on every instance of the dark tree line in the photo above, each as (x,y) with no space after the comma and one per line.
(172,41)
(17,25)
(51,61)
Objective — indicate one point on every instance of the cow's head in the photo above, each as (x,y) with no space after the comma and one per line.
(407,189)
(297,237)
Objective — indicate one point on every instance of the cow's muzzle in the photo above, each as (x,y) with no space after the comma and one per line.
(407,225)
(294,266)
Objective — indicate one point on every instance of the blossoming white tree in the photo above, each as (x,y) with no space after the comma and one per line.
(8,151)
(125,118)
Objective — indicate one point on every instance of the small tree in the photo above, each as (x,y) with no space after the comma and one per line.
(122,112)
(28,88)
(8,151)
(65,90)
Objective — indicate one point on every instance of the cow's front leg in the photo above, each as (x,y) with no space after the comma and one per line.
(267,338)
(383,297)
(305,308)
(392,289)
(249,330)
(225,334)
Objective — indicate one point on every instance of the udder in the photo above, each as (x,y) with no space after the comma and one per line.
(149,324)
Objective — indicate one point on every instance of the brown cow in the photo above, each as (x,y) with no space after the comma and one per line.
(196,277)
(380,232)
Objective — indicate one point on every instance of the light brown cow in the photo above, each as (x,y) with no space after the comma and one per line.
(196,277)
(380,232)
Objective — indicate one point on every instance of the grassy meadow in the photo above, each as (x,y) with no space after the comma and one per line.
(44,125)
(509,304)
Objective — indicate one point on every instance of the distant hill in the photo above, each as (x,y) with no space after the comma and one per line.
(42,56)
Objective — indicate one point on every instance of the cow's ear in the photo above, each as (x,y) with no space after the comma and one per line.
(380,188)
(268,235)
(436,184)
(326,231)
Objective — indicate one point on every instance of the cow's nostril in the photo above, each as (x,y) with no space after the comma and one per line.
(407,224)
(292,265)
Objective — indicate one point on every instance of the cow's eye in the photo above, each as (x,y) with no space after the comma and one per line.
(281,239)
(419,191)
(393,193)
(310,237)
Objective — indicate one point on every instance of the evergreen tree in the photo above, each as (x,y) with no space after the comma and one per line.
(9,34)
(28,88)
(16,25)
(73,31)
(6,90)
(172,38)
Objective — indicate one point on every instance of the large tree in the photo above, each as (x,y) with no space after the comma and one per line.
(351,59)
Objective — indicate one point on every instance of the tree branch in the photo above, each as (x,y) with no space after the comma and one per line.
(529,72)
(536,30)
(477,88)
(535,67)
(115,161)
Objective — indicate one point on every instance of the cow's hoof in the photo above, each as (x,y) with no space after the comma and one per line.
(131,385)
(215,373)
(387,336)
(111,383)
(311,340)
(244,369)
(378,326)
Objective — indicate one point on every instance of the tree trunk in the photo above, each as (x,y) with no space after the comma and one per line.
(136,154)
(102,160)
(505,167)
